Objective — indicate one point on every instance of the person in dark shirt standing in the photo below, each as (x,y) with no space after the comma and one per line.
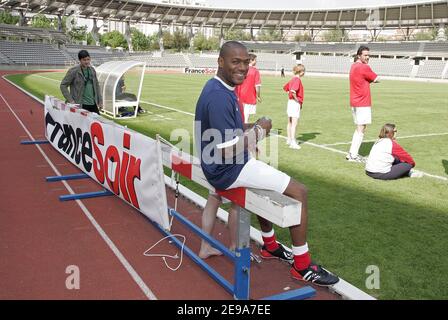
(223,141)
(80,85)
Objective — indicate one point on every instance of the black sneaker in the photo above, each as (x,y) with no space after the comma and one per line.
(279,253)
(314,274)
(141,110)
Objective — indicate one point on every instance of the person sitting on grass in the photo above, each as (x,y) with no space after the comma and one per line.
(388,160)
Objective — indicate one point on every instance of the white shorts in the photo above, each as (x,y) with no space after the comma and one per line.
(259,175)
(362,115)
(250,109)
(293,109)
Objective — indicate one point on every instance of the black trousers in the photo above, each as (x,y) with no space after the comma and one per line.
(91,108)
(398,170)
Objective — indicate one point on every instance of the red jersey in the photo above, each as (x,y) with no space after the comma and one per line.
(361,75)
(247,92)
(401,154)
(295,85)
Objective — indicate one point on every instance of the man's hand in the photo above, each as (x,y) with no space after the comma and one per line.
(265,124)
(259,99)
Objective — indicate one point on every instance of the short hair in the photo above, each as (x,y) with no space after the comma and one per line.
(300,68)
(83,54)
(252,56)
(230,45)
(388,127)
(361,49)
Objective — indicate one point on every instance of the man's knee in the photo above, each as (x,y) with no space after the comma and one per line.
(296,190)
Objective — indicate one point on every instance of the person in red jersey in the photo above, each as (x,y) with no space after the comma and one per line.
(388,160)
(249,92)
(361,76)
(294,88)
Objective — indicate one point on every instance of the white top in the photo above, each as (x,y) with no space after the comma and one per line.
(380,158)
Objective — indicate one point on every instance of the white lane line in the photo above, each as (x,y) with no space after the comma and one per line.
(38,75)
(148,293)
(398,138)
(168,108)
(320,146)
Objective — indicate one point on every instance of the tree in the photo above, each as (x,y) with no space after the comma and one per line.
(303,37)
(237,34)
(167,40)
(423,35)
(154,41)
(78,33)
(140,42)
(41,21)
(8,18)
(180,41)
(269,34)
(335,35)
(114,39)
(201,43)
(90,40)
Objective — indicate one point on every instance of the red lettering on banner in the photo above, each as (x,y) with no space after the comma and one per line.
(182,166)
(112,156)
(98,166)
(124,166)
(127,141)
(133,172)
(237,195)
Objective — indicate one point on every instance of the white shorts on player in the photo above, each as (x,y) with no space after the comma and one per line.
(293,109)
(250,109)
(259,175)
(362,115)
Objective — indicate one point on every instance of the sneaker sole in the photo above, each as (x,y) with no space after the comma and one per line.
(274,257)
(314,283)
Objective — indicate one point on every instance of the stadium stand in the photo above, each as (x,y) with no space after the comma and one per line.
(8,31)
(163,61)
(32,53)
(327,64)
(98,54)
(387,48)
(431,69)
(4,59)
(200,61)
(278,47)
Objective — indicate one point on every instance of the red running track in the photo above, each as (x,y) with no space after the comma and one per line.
(105,238)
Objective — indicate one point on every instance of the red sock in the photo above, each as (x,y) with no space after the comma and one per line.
(302,261)
(270,243)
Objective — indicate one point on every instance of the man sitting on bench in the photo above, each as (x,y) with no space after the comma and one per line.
(120,94)
(225,161)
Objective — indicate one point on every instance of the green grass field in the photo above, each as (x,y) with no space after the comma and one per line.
(355,221)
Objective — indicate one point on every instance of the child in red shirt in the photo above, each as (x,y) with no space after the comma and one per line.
(294,88)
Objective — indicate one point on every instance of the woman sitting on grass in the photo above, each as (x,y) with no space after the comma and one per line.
(388,160)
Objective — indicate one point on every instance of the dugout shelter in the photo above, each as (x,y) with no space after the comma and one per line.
(109,75)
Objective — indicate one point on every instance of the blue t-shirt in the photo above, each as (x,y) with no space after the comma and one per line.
(218,120)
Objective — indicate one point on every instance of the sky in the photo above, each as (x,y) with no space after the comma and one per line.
(306,4)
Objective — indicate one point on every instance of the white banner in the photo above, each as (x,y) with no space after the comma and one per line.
(121,160)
